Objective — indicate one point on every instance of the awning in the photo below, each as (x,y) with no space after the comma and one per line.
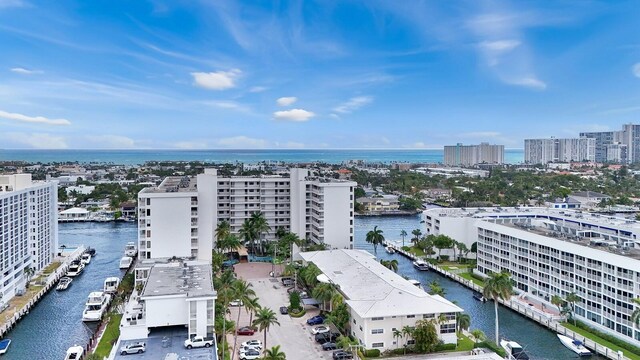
(310,301)
(243,251)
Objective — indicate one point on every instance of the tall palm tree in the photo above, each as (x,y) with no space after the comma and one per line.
(390,264)
(397,334)
(403,234)
(241,291)
(462,249)
(248,234)
(274,354)
(416,235)
(498,286)
(228,243)
(557,300)
(572,299)
(478,335)
(323,292)
(291,239)
(407,332)
(635,316)
(436,289)
(223,230)
(265,318)
(375,237)
(260,225)
(252,305)
(310,274)
(463,321)
(224,286)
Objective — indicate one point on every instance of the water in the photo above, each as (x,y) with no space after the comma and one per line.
(538,341)
(55,323)
(134,157)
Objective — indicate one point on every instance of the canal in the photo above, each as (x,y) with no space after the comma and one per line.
(55,323)
(539,342)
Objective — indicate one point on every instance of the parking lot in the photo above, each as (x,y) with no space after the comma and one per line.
(167,341)
(293,335)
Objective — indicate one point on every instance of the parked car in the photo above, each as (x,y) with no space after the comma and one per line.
(246,331)
(252,343)
(326,337)
(135,348)
(316,320)
(284,310)
(250,355)
(198,341)
(286,281)
(236,302)
(244,349)
(341,354)
(329,346)
(320,329)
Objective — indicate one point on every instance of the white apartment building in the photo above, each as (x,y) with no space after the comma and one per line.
(622,146)
(543,151)
(379,300)
(555,252)
(469,155)
(28,229)
(179,217)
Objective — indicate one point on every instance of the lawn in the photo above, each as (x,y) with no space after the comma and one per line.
(110,336)
(464,343)
(601,341)
(414,250)
(469,277)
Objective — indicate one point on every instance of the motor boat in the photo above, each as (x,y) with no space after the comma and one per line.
(91,251)
(85,258)
(4,345)
(75,268)
(96,306)
(514,350)
(64,283)
(421,265)
(574,345)
(390,250)
(125,262)
(130,249)
(414,282)
(74,353)
(479,296)
(111,284)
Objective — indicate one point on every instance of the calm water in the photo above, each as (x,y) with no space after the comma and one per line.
(539,342)
(132,157)
(55,323)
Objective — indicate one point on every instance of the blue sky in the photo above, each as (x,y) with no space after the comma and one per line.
(313,74)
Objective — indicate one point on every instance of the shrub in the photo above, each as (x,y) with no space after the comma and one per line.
(493,347)
(294,300)
(444,257)
(612,339)
(445,347)
(297,314)
(372,353)
(406,248)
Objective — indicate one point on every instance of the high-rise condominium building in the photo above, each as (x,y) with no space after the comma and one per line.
(543,151)
(621,146)
(469,155)
(556,252)
(28,229)
(179,217)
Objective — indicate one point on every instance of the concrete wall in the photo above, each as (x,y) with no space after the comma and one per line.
(338,218)
(158,315)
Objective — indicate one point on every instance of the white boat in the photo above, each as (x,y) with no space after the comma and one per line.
(85,258)
(390,250)
(125,262)
(75,268)
(421,265)
(574,345)
(64,283)
(130,249)
(96,306)
(414,282)
(111,284)
(74,353)
(514,350)
(4,345)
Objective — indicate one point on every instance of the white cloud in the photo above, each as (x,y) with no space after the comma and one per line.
(298,115)
(241,142)
(529,82)
(287,100)
(353,104)
(635,69)
(110,142)
(33,119)
(257,89)
(219,80)
(499,45)
(227,104)
(35,140)
(290,145)
(21,70)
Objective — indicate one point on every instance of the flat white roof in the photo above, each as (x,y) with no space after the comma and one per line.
(371,289)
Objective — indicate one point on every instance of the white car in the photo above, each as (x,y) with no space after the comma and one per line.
(250,355)
(244,349)
(320,330)
(252,343)
(236,302)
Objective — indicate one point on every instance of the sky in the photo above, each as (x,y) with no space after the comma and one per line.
(313,74)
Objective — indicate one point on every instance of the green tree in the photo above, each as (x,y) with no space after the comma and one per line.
(425,335)
(274,354)
(557,300)
(572,299)
(462,249)
(397,335)
(294,301)
(323,292)
(390,264)
(339,317)
(442,242)
(242,291)
(265,318)
(251,306)
(260,226)
(248,234)
(416,235)
(223,230)
(478,335)
(635,316)
(436,289)
(498,286)
(375,238)
(463,321)
(407,332)
(403,234)
(310,274)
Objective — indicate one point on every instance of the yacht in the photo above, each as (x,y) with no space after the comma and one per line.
(64,283)
(111,284)
(96,306)
(390,250)
(479,296)
(130,249)
(574,345)
(414,282)
(514,350)
(75,268)
(421,265)
(4,345)
(85,258)
(91,251)
(125,262)
(74,353)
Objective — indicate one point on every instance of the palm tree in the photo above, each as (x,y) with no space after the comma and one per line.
(407,331)
(274,354)
(397,334)
(635,316)
(375,237)
(291,239)
(323,292)
(462,248)
(436,289)
(390,264)
(572,299)
(416,235)
(453,245)
(403,234)
(463,321)
(310,274)
(265,317)
(241,291)
(228,243)
(260,225)
(498,286)
(478,335)
(252,305)
(557,300)
(247,233)
(223,230)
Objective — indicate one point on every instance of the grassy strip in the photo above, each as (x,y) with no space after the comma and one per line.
(601,341)
(110,336)
(464,343)
(470,277)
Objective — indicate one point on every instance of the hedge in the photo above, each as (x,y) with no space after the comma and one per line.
(492,346)
(610,338)
(372,353)
(445,347)
(294,314)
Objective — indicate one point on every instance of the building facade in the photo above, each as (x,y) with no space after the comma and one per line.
(469,155)
(179,217)
(28,230)
(620,146)
(543,151)
(555,252)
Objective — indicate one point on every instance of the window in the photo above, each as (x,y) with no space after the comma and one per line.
(447,328)
(377,331)
(411,342)
(410,316)
(377,318)
(377,345)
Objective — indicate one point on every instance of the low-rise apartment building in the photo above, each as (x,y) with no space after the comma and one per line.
(379,300)
(379,204)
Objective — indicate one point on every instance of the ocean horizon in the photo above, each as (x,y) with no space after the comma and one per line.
(247,156)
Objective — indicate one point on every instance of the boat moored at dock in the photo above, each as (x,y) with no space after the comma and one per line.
(414,282)
(421,265)
(64,283)
(390,250)
(111,284)
(130,249)
(74,353)
(4,345)
(75,268)
(85,258)
(125,262)
(514,350)
(479,296)
(96,306)
(574,345)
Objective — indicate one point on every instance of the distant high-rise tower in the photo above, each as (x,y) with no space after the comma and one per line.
(624,144)
(543,151)
(469,155)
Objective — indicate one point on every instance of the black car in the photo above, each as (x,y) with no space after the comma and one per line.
(329,346)
(284,310)
(341,354)
(326,337)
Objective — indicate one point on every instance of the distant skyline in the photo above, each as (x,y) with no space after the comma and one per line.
(314,74)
